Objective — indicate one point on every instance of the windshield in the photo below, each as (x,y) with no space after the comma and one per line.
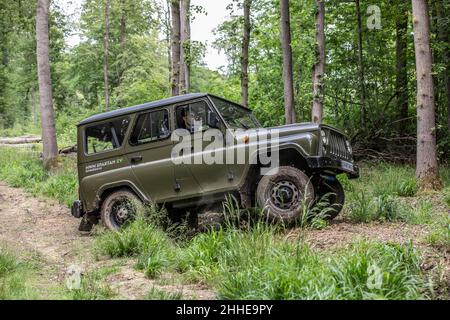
(236,116)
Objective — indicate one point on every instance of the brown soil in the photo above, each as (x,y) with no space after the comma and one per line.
(46,228)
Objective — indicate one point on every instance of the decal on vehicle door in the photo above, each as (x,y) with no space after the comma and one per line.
(100,165)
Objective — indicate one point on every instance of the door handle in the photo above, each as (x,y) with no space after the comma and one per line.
(136,159)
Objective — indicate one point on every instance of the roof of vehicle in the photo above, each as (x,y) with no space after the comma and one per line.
(142,107)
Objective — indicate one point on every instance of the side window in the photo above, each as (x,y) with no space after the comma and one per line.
(106,136)
(150,127)
(193,117)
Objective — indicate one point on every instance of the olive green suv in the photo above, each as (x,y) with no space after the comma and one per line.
(189,152)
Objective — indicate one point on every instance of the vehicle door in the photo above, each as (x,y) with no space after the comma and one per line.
(207,168)
(149,153)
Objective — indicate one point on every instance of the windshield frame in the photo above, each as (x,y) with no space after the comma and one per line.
(211,98)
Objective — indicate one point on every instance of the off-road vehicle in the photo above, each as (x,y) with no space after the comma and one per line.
(127,156)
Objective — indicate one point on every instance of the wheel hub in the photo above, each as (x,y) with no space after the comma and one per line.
(121,212)
(285,194)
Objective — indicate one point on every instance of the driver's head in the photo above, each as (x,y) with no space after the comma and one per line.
(188,118)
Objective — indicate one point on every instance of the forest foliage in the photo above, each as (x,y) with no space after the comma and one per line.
(139,64)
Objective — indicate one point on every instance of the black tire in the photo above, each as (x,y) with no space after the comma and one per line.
(119,208)
(284,195)
(332,192)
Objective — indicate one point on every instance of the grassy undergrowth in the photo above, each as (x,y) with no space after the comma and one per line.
(15,277)
(387,192)
(24,169)
(92,286)
(257,263)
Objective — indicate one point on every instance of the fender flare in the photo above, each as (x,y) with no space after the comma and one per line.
(116,185)
(286,146)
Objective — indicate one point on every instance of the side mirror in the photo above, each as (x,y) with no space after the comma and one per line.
(213,120)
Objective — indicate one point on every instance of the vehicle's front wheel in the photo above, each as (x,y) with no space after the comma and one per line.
(119,208)
(332,193)
(283,196)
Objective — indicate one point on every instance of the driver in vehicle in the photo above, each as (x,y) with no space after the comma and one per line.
(191,121)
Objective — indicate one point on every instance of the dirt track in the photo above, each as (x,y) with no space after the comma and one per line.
(44,227)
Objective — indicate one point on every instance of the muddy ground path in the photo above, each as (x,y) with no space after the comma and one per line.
(45,228)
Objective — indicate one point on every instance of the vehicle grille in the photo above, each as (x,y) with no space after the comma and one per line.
(336,147)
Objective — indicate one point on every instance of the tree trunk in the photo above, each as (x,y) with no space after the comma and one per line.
(168,29)
(123,24)
(427,166)
(50,146)
(401,68)
(244,53)
(185,52)
(123,37)
(319,66)
(106,53)
(176,47)
(362,79)
(287,62)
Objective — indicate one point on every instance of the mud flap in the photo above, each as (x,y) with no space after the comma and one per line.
(86,224)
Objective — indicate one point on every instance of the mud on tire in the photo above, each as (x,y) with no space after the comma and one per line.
(284,196)
(119,208)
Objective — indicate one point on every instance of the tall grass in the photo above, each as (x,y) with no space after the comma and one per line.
(151,246)
(255,261)
(363,208)
(14,277)
(392,180)
(24,169)
(440,236)
(257,264)
(383,193)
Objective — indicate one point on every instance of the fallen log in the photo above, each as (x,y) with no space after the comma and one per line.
(17,145)
(20,140)
(67,150)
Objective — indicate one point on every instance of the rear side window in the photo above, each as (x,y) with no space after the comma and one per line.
(151,127)
(106,136)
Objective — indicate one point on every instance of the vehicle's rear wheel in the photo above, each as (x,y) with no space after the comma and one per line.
(332,192)
(119,208)
(284,195)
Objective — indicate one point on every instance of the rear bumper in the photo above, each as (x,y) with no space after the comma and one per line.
(335,165)
(77,209)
